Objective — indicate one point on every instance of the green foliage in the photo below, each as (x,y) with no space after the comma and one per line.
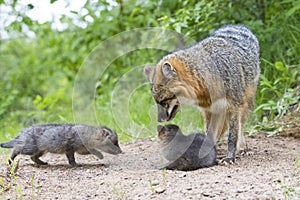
(283,88)
(297,163)
(38,72)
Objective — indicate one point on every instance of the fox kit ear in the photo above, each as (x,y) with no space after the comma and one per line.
(148,71)
(160,128)
(105,132)
(168,71)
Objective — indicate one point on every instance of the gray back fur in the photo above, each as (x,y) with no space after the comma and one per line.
(228,58)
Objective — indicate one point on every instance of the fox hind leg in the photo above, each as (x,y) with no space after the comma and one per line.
(13,155)
(242,147)
(241,142)
(245,111)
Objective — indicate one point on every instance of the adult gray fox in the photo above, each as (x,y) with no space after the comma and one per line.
(63,138)
(219,75)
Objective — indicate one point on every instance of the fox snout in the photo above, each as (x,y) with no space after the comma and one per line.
(119,151)
(165,114)
(116,150)
(162,114)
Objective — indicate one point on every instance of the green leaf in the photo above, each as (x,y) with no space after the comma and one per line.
(280,66)
(293,10)
(30,6)
(297,164)
(74,12)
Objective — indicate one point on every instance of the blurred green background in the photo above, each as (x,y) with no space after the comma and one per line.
(39,62)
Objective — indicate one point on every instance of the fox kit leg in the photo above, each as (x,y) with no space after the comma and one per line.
(35,158)
(96,153)
(13,155)
(71,158)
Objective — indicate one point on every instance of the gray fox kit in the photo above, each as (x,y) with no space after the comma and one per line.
(63,138)
(219,75)
(185,153)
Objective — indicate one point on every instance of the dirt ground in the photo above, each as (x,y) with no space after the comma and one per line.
(268,174)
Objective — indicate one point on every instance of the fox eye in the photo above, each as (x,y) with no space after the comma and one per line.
(153,88)
(164,104)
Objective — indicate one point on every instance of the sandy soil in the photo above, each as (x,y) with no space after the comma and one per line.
(268,174)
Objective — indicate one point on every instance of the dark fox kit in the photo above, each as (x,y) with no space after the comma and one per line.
(185,153)
(63,138)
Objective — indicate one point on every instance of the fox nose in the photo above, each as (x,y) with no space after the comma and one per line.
(161,120)
(162,114)
(159,128)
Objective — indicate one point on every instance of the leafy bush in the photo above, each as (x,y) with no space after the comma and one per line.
(38,72)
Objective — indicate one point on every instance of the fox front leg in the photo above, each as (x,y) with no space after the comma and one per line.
(71,158)
(215,123)
(96,153)
(234,128)
(36,158)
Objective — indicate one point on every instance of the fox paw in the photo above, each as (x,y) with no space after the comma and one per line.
(39,162)
(226,161)
(246,152)
(160,167)
(77,165)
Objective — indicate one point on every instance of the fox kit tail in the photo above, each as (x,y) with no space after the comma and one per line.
(9,144)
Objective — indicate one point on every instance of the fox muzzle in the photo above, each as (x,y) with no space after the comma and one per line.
(165,114)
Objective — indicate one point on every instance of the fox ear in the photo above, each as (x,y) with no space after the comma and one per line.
(168,71)
(160,128)
(105,132)
(148,71)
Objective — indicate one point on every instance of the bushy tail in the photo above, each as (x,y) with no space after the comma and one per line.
(9,144)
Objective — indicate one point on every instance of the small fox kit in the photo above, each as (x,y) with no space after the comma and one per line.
(219,75)
(185,153)
(63,138)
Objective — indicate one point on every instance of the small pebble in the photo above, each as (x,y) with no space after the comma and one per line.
(160,190)
(189,188)
(206,194)
(155,182)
